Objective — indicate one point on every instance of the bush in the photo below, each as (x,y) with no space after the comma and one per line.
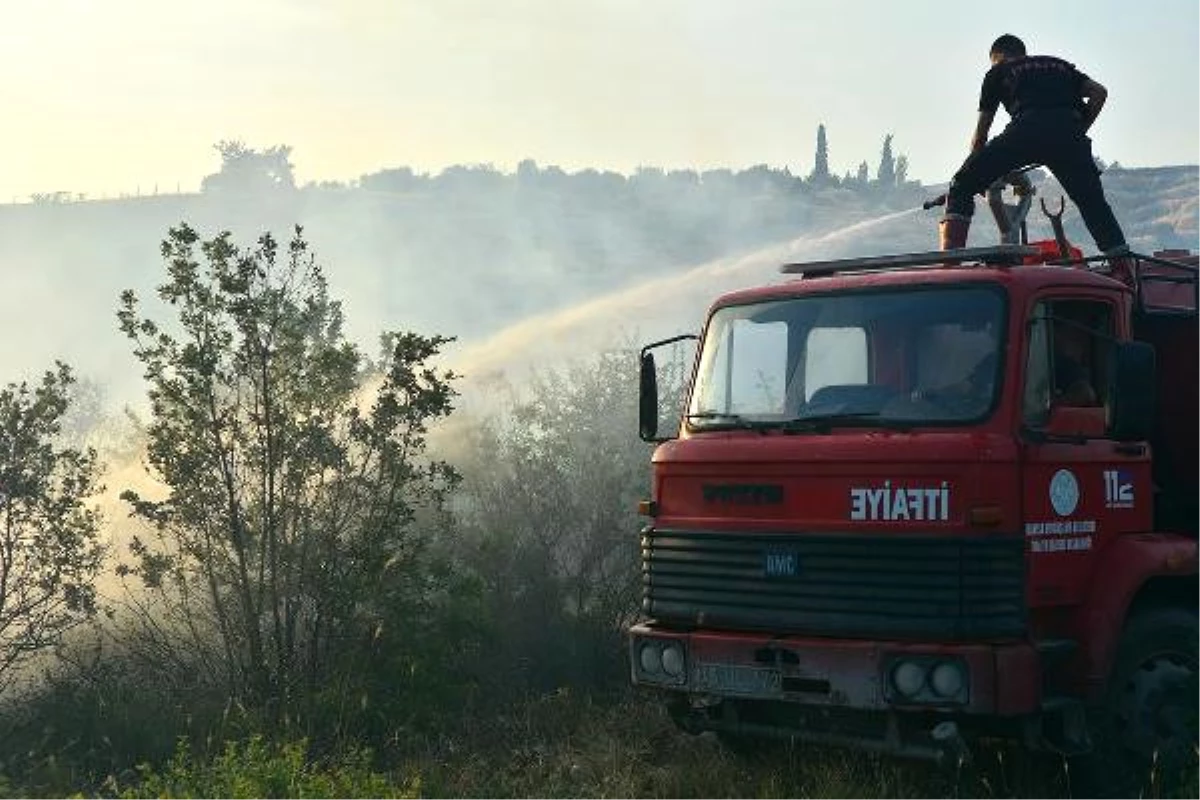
(549,524)
(257,768)
(96,715)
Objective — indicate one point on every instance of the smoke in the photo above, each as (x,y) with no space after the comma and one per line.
(528,270)
(665,306)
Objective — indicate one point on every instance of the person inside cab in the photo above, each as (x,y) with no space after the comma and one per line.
(1073,379)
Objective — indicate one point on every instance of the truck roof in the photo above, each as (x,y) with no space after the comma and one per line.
(1031,276)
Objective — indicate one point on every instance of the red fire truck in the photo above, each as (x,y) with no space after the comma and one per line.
(923,498)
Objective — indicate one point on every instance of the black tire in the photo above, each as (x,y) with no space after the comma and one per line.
(1145,734)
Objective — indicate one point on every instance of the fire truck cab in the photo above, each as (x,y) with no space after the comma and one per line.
(921,498)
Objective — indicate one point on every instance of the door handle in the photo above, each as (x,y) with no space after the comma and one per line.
(1130,448)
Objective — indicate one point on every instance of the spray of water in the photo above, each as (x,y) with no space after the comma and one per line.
(668,305)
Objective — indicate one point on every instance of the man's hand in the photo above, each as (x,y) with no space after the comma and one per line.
(1079,393)
(1095,94)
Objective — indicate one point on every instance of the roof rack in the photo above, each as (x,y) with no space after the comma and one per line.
(1002,255)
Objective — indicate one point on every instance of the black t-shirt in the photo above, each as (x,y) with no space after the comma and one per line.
(1032,82)
(1068,372)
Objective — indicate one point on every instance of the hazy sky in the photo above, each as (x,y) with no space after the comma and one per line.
(109,96)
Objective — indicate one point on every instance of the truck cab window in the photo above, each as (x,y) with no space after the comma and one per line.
(748,370)
(1036,398)
(834,356)
(865,357)
(1068,350)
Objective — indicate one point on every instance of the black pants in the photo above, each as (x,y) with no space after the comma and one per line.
(1055,139)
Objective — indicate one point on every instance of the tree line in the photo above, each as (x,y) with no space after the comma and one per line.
(246,169)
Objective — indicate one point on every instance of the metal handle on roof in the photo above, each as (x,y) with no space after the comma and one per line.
(1001,254)
(1010,218)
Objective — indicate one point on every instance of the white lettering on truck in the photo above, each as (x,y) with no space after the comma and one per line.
(893,504)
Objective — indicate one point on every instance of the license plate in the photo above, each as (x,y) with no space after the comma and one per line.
(737,679)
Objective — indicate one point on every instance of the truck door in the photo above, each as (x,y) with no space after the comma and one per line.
(1081,488)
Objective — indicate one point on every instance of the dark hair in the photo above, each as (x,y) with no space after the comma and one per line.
(1009,45)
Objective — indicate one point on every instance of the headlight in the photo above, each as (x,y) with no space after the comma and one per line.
(946,679)
(651,659)
(928,679)
(908,677)
(672,660)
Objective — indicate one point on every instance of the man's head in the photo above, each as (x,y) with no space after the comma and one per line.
(1006,47)
(1071,339)
(1073,376)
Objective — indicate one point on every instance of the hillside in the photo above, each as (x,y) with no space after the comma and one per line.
(473,252)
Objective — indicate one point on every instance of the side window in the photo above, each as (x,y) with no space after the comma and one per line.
(1035,402)
(1069,342)
(833,357)
(1080,337)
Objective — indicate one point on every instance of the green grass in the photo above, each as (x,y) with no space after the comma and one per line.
(258,768)
(564,745)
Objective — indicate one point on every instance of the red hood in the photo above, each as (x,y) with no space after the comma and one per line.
(843,481)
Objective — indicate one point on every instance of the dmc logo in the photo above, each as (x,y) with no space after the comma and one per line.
(1118,488)
(781,563)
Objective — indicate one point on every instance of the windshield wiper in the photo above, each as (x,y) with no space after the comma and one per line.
(719,420)
(817,423)
(823,423)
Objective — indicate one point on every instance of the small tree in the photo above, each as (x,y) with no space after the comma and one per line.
(49,547)
(820,173)
(292,494)
(886,176)
(549,510)
(246,170)
(901,170)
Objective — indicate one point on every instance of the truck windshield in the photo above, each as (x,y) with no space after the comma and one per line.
(869,359)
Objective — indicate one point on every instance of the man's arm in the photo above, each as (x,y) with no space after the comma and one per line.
(981,130)
(1073,383)
(1095,94)
(1079,393)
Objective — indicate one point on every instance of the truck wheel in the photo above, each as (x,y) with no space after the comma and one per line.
(1145,734)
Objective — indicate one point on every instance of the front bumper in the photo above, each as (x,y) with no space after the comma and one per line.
(999,679)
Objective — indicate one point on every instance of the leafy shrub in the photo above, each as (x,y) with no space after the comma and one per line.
(257,768)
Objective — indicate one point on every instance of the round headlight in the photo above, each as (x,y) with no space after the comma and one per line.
(908,677)
(651,658)
(672,660)
(947,679)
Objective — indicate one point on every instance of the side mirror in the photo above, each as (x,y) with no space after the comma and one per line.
(1131,391)
(648,399)
(648,388)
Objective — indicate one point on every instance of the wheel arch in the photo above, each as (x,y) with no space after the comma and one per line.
(1137,574)
(1165,591)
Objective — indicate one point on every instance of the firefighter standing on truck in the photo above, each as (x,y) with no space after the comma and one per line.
(1044,96)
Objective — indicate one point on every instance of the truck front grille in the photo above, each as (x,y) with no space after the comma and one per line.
(845,585)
